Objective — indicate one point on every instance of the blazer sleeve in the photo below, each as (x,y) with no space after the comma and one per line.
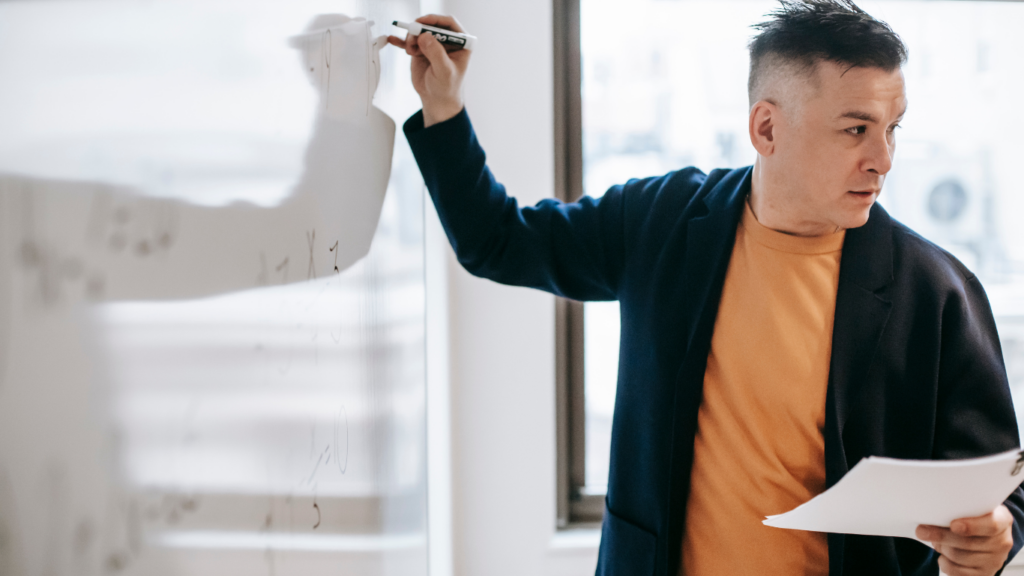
(575,250)
(975,414)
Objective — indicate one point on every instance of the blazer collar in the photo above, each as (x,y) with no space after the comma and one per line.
(867,251)
(730,192)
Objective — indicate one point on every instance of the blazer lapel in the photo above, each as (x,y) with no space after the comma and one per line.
(862,310)
(709,242)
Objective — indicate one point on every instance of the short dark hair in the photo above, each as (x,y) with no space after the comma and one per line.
(805,32)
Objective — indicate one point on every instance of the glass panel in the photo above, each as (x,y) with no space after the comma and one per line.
(211,291)
(668,90)
(601,364)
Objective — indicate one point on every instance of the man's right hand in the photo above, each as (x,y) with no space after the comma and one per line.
(436,73)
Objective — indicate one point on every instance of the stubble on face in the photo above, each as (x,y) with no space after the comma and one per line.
(834,144)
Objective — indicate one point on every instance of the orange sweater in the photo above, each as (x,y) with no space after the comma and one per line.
(759,448)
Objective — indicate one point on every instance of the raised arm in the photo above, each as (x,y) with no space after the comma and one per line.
(574,250)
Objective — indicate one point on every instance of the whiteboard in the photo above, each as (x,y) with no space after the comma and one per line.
(211,291)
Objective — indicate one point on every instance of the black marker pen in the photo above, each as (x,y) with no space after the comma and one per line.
(456,39)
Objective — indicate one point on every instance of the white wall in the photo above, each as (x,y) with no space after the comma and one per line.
(502,365)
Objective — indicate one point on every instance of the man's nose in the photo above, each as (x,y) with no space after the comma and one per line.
(878,156)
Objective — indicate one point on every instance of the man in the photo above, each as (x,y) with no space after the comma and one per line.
(777,324)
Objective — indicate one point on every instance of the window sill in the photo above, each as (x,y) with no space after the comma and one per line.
(578,538)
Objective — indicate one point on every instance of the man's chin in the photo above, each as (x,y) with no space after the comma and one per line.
(856,215)
(853,220)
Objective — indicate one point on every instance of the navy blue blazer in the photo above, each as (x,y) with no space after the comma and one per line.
(916,372)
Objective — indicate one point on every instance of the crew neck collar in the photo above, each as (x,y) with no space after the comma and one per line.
(789,243)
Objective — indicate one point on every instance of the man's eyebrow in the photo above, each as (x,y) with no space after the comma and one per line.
(866,116)
(858,115)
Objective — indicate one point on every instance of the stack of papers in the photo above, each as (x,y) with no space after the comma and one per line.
(890,497)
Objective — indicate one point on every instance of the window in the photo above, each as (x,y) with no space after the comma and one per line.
(648,86)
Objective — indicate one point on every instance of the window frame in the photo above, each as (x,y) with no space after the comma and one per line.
(575,506)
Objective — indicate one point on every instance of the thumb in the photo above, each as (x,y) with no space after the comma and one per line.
(435,53)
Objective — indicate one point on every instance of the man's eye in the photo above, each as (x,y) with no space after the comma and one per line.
(894,127)
(857,130)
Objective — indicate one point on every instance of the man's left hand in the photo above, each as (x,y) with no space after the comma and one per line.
(972,546)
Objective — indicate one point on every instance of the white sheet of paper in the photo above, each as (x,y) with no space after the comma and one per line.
(890,497)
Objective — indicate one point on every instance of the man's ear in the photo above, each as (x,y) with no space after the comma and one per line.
(763,118)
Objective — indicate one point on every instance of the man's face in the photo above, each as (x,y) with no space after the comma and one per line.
(834,148)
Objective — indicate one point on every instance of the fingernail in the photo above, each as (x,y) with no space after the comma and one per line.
(957,527)
(923,533)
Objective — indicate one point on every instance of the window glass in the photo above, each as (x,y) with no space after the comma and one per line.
(664,87)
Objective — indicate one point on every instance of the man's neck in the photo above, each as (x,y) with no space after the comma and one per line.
(773,211)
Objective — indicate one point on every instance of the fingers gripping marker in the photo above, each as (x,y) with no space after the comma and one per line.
(457,40)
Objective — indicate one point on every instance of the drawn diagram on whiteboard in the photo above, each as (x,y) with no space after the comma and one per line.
(130,305)
(114,243)
(329,445)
